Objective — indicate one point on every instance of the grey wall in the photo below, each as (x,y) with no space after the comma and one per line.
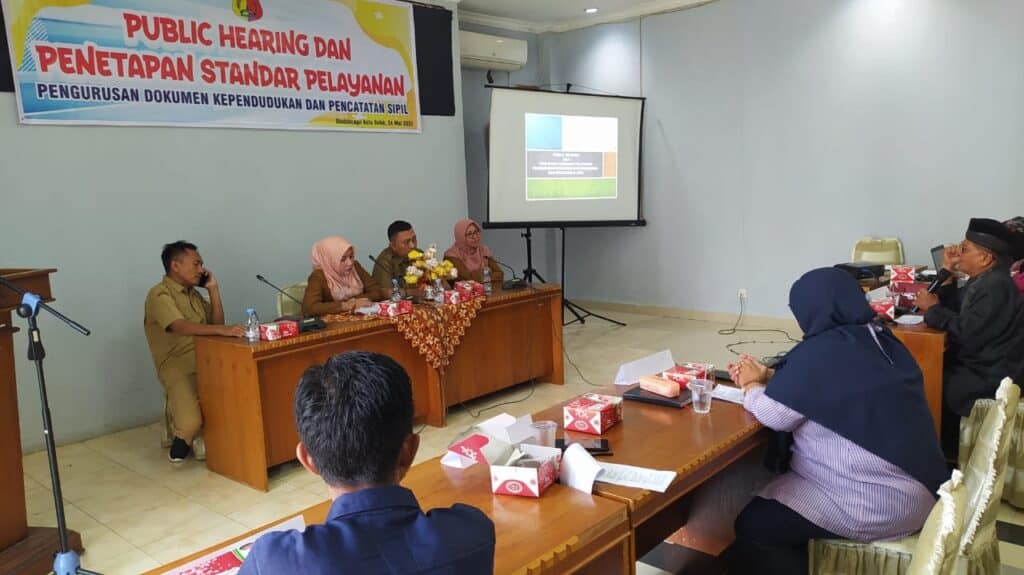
(779,132)
(507,245)
(98,203)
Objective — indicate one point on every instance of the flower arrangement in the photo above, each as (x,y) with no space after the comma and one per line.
(425,267)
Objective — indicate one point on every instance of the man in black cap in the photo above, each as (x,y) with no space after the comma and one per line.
(984,322)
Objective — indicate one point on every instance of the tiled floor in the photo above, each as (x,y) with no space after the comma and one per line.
(136,511)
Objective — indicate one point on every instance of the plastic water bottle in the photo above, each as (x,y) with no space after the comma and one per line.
(252,326)
(487,280)
(438,292)
(396,292)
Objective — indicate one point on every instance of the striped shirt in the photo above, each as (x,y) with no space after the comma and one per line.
(838,485)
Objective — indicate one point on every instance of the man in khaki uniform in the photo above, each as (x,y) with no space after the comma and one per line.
(175,311)
(393,260)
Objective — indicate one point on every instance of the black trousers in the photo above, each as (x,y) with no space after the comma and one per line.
(772,539)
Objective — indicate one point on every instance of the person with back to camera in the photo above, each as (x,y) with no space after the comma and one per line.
(354,415)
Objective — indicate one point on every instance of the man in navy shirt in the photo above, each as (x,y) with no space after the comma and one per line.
(354,417)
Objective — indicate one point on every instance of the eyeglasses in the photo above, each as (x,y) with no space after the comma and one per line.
(472,233)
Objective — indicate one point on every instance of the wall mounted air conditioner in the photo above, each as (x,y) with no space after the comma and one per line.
(491,52)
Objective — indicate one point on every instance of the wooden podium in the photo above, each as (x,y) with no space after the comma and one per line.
(22,549)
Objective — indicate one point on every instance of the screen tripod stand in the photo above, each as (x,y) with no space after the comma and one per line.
(575,309)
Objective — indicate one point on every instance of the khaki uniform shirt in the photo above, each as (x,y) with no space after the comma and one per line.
(166,302)
(389,265)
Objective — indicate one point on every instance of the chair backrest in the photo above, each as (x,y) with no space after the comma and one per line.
(285,306)
(984,472)
(938,544)
(878,251)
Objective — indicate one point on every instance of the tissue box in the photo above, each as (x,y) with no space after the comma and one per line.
(469,289)
(527,481)
(885,306)
(684,373)
(592,413)
(394,308)
(452,296)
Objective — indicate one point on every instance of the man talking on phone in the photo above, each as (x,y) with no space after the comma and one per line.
(175,311)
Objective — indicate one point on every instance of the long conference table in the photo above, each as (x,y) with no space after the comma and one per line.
(928,346)
(568,531)
(247,390)
(606,531)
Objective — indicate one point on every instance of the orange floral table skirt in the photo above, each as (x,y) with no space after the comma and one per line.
(434,331)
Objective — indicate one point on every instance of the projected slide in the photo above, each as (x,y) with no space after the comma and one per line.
(571,157)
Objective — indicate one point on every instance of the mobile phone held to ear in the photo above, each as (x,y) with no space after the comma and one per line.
(594,446)
(205,277)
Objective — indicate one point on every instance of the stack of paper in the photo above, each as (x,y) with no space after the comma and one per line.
(728,393)
(580,470)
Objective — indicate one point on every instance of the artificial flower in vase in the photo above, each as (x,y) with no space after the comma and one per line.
(425,268)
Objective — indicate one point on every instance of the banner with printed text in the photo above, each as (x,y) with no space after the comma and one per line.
(274,64)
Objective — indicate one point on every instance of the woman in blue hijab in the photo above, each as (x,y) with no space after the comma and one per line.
(865,459)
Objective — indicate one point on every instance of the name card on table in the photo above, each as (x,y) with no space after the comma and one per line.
(630,373)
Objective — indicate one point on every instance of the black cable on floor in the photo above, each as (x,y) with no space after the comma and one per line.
(735,329)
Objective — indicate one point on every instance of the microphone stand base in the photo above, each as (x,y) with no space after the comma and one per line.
(311,324)
(305,323)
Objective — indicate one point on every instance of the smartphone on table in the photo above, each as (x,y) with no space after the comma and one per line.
(593,445)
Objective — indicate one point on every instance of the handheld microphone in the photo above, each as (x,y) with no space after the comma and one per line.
(940,278)
(372,259)
(515,283)
(305,323)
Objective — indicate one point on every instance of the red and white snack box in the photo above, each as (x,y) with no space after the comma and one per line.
(394,308)
(465,288)
(902,274)
(527,478)
(592,413)
(908,288)
(885,306)
(684,373)
(452,296)
(489,441)
(470,289)
(270,331)
(905,294)
(288,328)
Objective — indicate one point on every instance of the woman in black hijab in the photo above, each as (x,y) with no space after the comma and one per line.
(865,459)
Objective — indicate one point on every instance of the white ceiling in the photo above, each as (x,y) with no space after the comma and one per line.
(561,15)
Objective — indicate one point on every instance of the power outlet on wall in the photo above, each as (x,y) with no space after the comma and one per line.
(742,293)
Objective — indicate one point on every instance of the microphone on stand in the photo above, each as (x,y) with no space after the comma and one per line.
(305,323)
(940,278)
(515,283)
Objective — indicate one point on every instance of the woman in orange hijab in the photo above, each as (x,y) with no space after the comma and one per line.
(338,283)
(469,255)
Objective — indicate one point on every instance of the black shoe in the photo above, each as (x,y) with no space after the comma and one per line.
(179,450)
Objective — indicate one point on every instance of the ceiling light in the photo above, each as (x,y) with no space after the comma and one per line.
(590,11)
